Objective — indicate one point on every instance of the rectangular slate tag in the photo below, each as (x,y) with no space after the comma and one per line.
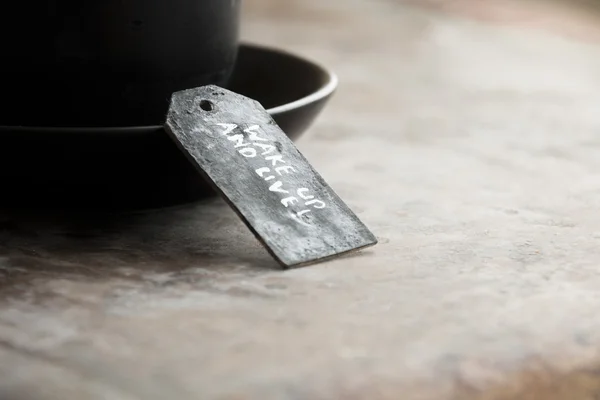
(237,146)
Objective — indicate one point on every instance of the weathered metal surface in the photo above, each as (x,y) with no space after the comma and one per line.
(238,147)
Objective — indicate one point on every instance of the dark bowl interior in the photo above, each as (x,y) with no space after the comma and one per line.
(140,167)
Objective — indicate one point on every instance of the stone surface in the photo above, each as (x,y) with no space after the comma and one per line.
(472,151)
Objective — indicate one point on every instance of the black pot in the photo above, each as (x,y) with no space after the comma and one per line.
(134,168)
(110,62)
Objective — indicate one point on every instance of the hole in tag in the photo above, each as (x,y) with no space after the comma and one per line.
(206,105)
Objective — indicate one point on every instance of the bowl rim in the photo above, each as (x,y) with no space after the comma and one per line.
(327,88)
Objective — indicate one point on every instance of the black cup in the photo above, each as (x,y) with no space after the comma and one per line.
(110,62)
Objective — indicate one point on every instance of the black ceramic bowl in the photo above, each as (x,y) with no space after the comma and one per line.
(140,167)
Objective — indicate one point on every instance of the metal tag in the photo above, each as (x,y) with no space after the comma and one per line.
(236,145)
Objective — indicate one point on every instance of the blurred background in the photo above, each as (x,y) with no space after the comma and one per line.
(503,44)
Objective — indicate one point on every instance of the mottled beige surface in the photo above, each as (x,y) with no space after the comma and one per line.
(471,148)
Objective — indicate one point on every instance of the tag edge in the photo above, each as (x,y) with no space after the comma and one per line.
(333,256)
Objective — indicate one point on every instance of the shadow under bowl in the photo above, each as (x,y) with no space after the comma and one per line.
(140,167)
